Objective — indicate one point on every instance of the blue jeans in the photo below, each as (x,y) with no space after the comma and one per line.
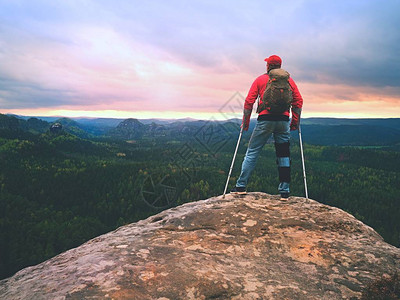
(262,132)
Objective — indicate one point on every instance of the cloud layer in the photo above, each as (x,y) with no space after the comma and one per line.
(193,56)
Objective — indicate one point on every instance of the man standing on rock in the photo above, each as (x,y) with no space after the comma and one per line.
(272,120)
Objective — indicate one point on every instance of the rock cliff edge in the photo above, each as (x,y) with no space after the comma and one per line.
(241,247)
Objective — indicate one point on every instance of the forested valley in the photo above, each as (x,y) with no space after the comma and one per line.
(58,190)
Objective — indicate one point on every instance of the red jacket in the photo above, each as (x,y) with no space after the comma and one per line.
(258,88)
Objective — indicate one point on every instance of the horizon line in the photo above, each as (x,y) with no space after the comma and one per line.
(209,118)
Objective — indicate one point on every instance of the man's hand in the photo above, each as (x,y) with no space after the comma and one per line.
(246,119)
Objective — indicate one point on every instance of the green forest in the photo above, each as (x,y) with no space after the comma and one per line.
(57,191)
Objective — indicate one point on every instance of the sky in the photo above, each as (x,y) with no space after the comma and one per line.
(198,58)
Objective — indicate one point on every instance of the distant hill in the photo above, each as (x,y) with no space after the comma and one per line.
(350,135)
(12,126)
(390,122)
(318,131)
(128,129)
(73,127)
(99,126)
(47,119)
(35,125)
(9,122)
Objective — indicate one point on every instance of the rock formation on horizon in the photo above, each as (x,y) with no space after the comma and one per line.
(128,129)
(242,247)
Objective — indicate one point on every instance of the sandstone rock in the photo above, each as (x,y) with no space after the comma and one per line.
(241,247)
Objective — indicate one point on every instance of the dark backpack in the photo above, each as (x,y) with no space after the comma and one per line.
(277,96)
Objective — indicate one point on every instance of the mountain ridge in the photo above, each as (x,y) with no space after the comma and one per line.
(317,131)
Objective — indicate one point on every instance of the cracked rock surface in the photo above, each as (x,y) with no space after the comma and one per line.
(242,247)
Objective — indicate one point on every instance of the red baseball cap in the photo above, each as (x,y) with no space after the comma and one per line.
(273,60)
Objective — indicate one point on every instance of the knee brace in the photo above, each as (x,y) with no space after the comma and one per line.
(282,151)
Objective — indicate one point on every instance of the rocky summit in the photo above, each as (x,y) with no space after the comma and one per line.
(242,247)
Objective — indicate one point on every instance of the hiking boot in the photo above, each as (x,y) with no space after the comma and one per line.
(284,196)
(239,190)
